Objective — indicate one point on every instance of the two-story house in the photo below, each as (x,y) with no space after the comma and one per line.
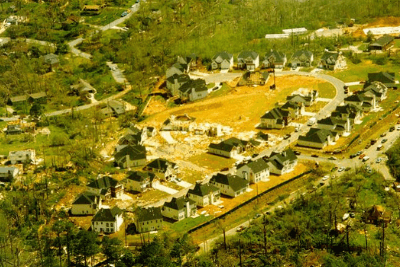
(149,219)
(163,168)
(222,60)
(254,171)
(137,181)
(107,184)
(179,208)
(318,138)
(229,148)
(248,60)
(276,118)
(230,185)
(281,163)
(107,220)
(204,194)
(86,204)
(274,59)
(130,156)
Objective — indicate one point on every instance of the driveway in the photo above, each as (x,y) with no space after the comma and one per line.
(164,188)
(116,72)
(216,77)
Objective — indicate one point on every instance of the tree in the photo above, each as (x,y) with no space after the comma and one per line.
(86,245)
(112,248)
(36,110)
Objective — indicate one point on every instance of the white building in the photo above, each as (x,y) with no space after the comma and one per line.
(22,156)
(107,220)
(204,194)
(179,208)
(254,171)
(149,219)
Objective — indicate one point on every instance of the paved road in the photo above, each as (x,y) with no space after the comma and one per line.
(116,73)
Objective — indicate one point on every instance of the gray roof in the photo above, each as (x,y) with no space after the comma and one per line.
(358,98)
(279,57)
(229,144)
(278,159)
(149,214)
(103,182)
(199,85)
(51,58)
(38,95)
(7,169)
(382,41)
(179,203)
(331,121)
(134,152)
(256,166)
(298,98)
(234,181)
(140,176)
(300,53)
(181,78)
(330,57)
(248,54)
(347,109)
(86,198)
(317,135)
(223,55)
(275,113)
(383,77)
(161,164)
(203,189)
(107,215)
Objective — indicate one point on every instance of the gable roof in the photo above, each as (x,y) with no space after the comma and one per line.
(330,57)
(107,215)
(19,98)
(229,144)
(382,41)
(331,121)
(275,113)
(149,214)
(38,95)
(103,182)
(279,57)
(178,66)
(256,165)
(219,57)
(234,181)
(181,78)
(132,139)
(262,136)
(278,159)
(248,54)
(85,198)
(317,135)
(199,85)
(203,189)
(347,109)
(140,176)
(179,203)
(383,77)
(301,53)
(134,152)
(51,58)
(358,98)
(291,105)
(161,164)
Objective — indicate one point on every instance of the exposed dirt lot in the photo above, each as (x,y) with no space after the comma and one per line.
(379,22)
(241,108)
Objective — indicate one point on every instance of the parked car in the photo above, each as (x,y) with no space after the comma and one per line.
(326,177)
(297,152)
(314,155)
(365,158)
(391,129)
(383,135)
(373,141)
(124,14)
(347,169)
(359,153)
(361,156)
(384,141)
(367,146)
(398,128)
(287,136)
(341,169)
(378,160)
(353,156)
(240,228)
(332,158)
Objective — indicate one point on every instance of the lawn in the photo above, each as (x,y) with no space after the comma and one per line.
(106,16)
(187,224)
(211,161)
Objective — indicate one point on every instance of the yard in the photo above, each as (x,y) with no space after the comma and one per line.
(106,16)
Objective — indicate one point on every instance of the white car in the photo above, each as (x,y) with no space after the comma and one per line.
(326,177)
(340,169)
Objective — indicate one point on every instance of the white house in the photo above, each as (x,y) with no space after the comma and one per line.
(179,208)
(254,171)
(248,60)
(86,204)
(281,163)
(138,181)
(230,185)
(149,219)
(204,194)
(107,220)
(22,156)
(7,174)
(222,60)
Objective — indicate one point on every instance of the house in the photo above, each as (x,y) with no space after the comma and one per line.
(387,78)
(179,208)
(204,194)
(149,219)
(281,163)
(13,129)
(179,123)
(335,124)
(302,58)
(175,82)
(130,156)
(228,148)
(7,174)
(276,118)
(190,61)
(163,167)
(112,187)
(230,185)
(248,60)
(18,100)
(86,204)
(193,90)
(107,220)
(40,98)
(274,59)
(350,111)
(114,108)
(378,215)
(22,156)
(91,10)
(377,89)
(222,60)
(332,61)
(306,100)
(366,103)
(52,60)
(294,109)
(131,139)
(381,43)
(138,181)
(262,137)
(317,138)
(177,68)
(254,171)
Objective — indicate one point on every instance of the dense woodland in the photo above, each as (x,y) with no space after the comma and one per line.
(33,233)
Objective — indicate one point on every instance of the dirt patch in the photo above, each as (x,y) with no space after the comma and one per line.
(379,22)
(241,108)
(155,105)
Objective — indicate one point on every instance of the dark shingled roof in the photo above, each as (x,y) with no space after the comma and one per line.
(178,203)
(317,135)
(203,189)
(149,214)
(256,166)
(140,176)
(199,85)
(106,215)
(234,181)
(382,41)
(357,98)
(383,77)
(103,182)
(278,159)
(223,55)
(247,54)
(160,164)
(134,153)
(85,198)
(181,78)
(279,57)
(275,113)
(331,121)
(229,144)
(330,57)
(300,53)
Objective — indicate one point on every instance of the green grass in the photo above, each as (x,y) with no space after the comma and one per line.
(106,16)
(222,91)
(210,85)
(326,90)
(188,223)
